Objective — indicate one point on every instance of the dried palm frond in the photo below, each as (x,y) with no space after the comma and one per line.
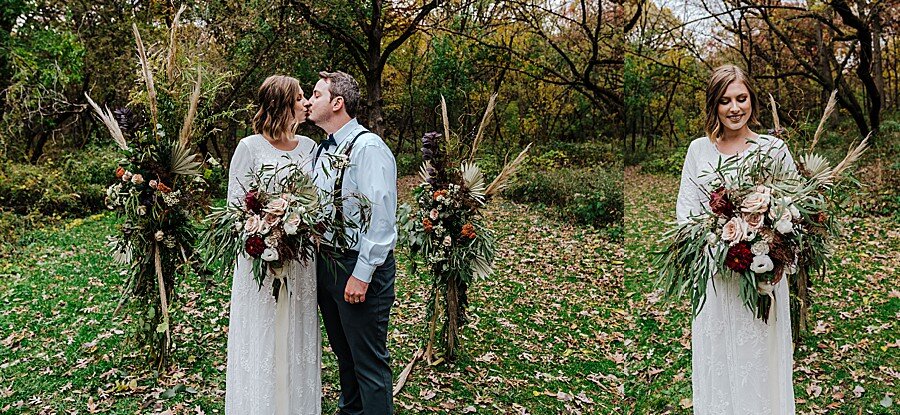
(484,121)
(423,171)
(147,74)
(474,180)
(818,167)
(445,118)
(852,155)
(829,108)
(775,113)
(110,122)
(192,111)
(170,60)
(509,170)
(481,267)
(183,161)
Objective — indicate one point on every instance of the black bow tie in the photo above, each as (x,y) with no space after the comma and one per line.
(327,143)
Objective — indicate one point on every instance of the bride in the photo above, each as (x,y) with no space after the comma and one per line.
(740,364)
(274,350)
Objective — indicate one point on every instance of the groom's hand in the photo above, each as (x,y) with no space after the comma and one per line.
(355,292)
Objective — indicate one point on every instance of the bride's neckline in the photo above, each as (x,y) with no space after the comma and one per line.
(753,143)
(266,140)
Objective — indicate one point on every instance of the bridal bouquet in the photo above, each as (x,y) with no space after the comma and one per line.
(157,188)
(447,230)
(274,227)
(766,218)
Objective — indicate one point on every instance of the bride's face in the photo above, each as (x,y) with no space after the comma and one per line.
(301,111)
(735,107)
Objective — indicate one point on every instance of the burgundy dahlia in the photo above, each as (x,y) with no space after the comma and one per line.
(252,202)
(719,203)
(255,246)
(739,257)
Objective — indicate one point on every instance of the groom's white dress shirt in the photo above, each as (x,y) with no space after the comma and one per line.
(373,173)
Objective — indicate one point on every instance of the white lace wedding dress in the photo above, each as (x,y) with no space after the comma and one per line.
(274,350)
(740,364)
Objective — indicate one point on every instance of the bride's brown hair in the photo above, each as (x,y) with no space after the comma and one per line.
(718,83)
(276,99)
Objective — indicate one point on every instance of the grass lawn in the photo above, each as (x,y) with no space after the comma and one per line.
(848,364)
(546,333)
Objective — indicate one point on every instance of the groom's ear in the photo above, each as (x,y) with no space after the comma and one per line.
(338,104)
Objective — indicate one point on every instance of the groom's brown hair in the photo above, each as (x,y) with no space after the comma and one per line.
(343,85)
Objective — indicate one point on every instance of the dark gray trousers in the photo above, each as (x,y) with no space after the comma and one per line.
(358,334)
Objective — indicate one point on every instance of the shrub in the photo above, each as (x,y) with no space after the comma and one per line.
(589,195)
(669,162)
(408,164)
(72,186)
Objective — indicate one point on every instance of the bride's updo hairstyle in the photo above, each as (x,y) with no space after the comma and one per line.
(715,89)
(276,100)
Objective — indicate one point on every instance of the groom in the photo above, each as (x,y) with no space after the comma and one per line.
(356,287)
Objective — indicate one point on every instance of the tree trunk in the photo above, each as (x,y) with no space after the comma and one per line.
(374,102)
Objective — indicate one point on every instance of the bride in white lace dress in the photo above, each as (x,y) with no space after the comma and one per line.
(274,349)
(740,364)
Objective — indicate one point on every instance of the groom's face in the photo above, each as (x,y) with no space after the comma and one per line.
(320,103)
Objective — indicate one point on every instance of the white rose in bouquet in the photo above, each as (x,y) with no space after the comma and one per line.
(252,224)
(264,227)
(276,207)
(754,220)
(735,230)
(758,201)
(271,219)
(760,248)
(271,241)
(784,226)
(291,223)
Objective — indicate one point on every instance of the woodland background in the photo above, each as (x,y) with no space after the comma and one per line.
(799,52)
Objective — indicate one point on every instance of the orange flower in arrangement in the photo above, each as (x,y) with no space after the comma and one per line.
(468,231)
(439,193)
(427,224)
(163,188)
(120,172)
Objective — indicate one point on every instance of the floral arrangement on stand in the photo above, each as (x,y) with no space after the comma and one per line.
(446,228)
(766,218)
(282,217)
(158,188)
